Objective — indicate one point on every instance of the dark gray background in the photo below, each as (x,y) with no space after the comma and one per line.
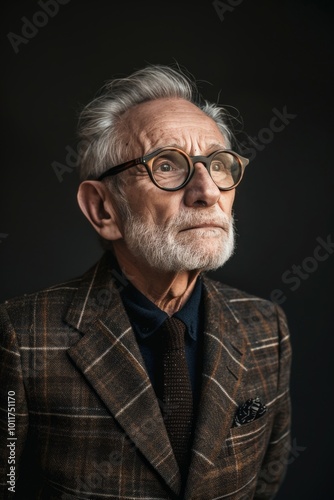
(263,55)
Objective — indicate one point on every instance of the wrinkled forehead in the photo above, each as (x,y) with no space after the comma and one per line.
(167,122)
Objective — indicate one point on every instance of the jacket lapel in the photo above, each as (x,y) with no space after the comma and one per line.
(224,371)
(109,358)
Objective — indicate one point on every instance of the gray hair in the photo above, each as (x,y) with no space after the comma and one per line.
(101,144)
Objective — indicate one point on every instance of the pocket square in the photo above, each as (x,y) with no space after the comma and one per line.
(249,411)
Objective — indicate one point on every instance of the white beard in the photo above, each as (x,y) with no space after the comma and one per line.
(167,249)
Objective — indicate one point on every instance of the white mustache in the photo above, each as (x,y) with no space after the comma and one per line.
(185,220)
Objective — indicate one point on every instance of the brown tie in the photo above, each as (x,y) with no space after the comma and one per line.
(177,392)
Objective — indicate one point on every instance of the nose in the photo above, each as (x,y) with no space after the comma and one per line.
(201,190)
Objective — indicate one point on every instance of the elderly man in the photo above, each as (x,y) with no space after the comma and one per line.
(145,379)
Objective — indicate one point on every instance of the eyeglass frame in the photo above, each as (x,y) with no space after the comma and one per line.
(205,160)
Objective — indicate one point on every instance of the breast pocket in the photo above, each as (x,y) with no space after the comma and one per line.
(247,443)
(239,462)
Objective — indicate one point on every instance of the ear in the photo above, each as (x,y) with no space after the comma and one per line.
(95,202)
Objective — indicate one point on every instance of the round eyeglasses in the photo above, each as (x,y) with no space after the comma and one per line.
(171,168)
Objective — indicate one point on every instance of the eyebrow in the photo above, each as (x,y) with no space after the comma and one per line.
(211,147)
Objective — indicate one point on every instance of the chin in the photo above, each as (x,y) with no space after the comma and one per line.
(197,259)
(202,233)
(208,254)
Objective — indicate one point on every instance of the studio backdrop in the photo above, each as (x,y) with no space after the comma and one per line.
(270,64)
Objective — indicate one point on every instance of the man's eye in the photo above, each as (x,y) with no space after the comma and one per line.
(165,167)
(218,167)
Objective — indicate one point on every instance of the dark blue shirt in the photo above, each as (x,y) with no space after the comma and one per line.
(146,318)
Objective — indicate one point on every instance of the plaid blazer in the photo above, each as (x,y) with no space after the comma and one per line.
(79,416)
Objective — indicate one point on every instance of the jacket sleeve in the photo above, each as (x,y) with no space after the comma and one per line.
(13,408)
(274,465)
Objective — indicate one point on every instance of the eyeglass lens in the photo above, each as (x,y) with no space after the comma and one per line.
(170,169)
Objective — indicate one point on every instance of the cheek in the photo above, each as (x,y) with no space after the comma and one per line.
(226,201)
(152,203)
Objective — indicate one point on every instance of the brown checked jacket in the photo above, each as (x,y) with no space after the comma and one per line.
(79,416)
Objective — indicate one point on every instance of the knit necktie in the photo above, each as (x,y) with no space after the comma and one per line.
(177,392)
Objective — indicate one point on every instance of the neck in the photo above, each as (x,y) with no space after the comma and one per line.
(167,290)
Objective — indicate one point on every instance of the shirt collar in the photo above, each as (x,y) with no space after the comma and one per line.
(146,318)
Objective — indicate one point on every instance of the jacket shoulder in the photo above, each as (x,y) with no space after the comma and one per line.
(48,307)
(21,310)
(52,290)
(58,292)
